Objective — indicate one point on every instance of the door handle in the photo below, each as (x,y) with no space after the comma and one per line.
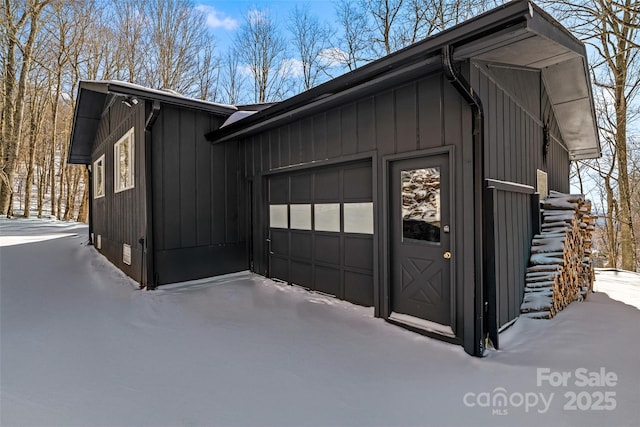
(446,255)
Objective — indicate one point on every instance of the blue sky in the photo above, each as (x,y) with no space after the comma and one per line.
(224,16)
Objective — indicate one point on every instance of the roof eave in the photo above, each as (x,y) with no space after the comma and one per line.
(520,21)
(127,89)
(544,45)
(503,16)
(88,112)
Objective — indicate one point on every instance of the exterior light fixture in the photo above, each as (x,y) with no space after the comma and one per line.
(130,101)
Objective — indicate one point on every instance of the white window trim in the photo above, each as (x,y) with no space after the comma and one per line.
(116,162)
(96,171)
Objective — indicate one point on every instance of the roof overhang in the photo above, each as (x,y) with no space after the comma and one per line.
(517,33)
(540,43)
(94,97)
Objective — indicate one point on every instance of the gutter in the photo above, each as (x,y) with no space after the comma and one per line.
(90,202)
(480,292)
(151,279)
(329,98)
(501,18)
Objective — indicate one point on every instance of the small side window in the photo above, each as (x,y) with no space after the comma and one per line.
(98,178)
(123,166)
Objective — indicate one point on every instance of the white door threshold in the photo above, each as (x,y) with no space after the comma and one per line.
(425,325)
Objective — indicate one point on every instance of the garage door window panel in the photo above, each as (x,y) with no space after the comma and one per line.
(278,216)
(300,217)
(358,218)
(327,217)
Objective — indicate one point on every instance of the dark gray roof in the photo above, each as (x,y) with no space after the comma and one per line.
(518,33)
(93,98)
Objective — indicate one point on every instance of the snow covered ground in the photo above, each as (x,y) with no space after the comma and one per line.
(80,345)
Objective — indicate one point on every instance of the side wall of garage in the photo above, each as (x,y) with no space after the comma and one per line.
(517,111)
(401,118)
(198,199)
(118,218)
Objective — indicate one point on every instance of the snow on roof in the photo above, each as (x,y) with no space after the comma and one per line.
(238,115)
(113,85)
(92,99)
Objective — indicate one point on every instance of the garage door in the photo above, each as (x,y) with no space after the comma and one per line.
(321,230)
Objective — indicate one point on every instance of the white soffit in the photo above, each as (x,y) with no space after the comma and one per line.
(565,75)
(564,89)
(531,51)
(570,96)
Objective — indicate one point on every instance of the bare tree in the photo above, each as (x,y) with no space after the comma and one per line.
(386,15)
(634,182)
(261,48)
(310,41)
(64,33)
(232,80)
(101,56)
(131,38)
(208,71)
(373,28)
(178,35)
(611,28)
(37,107)
(421,18)
(353,40)
(160,43)
(15,19)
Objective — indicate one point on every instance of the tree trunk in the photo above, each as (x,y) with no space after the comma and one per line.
(83,210)
(627,247)
(73,179)
(35,126)
(611,232)
(61,186)
(52,160)
(7,137)
(30,167)
(42,181)
(14,113)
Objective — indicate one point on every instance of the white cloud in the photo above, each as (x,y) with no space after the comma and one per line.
(291,67)
(256,16)
(216,19)
(245,71)
(332,57)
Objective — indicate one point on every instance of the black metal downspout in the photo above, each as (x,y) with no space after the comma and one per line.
(151,280)
(90,202)
(480,292)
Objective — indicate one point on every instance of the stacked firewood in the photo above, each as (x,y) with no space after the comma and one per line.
(560,269)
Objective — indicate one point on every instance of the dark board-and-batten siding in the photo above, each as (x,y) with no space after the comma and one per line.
(514,135)
(557,161)
(407,118)
(119,218)
(199,228)
(514,127)
(403,117)
(513,233)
